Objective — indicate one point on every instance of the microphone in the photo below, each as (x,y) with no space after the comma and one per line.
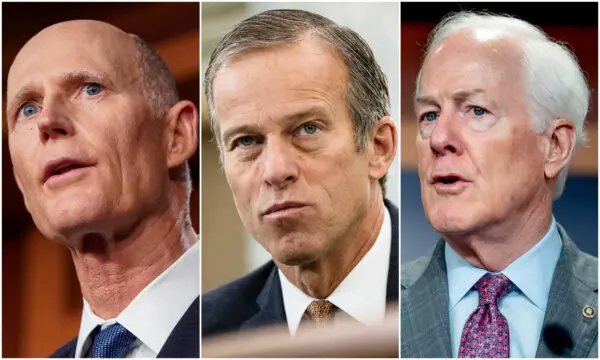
(558,339)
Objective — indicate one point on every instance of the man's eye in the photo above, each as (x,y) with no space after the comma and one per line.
(92,89)
(308,129)
(430,116)
(28,110)
(244,141)
(478,111)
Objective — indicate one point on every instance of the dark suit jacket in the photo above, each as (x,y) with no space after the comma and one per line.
(182,343)
(425,324)
(255,300)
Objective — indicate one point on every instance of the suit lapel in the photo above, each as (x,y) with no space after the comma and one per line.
(270,304)
(66,351)
(183,342)
(574,285)
(393,274)
(425,326)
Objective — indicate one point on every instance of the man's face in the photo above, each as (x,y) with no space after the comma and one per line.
(479,162)
(86,151)
(288,149)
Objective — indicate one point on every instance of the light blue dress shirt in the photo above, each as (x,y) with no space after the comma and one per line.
(524,307)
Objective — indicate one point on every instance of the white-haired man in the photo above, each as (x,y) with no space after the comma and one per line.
(500,109)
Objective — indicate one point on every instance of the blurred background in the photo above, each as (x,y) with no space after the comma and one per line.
(573,23)
(41,300)
(228,252)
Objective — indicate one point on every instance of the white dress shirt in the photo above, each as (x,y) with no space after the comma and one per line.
(154,312)
(361,295)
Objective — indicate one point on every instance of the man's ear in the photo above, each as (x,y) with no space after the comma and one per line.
(560,148)
(182,132)
(383,144)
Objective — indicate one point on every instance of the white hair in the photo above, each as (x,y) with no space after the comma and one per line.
(555,84)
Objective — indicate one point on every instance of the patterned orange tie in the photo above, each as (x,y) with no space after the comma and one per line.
(321,312)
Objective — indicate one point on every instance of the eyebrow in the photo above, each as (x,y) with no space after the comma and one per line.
(294,117)
(31,89)
(461,94)
(425,100)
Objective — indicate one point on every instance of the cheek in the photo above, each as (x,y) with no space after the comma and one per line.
(423,151)
(343,178)
(24,163)
(510,166)
(136,138)
(242,181)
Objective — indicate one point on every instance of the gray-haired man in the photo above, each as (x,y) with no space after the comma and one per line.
(300,111)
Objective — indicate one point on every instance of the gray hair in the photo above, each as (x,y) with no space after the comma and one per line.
(160,90)
(158,84)
(367,91)
(555,84)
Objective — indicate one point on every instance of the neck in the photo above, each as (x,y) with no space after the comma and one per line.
(320,278)
(499,244)
(113,271)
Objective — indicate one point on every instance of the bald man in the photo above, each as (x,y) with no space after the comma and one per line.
(99,143)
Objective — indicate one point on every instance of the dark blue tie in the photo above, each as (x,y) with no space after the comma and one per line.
(112,342)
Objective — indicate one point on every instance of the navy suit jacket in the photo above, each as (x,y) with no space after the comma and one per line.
(182,343)
(255,300)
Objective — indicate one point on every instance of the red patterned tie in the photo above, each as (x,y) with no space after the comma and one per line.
(485,334)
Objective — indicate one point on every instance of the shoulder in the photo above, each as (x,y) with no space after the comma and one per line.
(583,266)
(413,270)
(66,351)
(226,307)
(246,285)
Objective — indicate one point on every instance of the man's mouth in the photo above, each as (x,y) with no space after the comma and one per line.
(280,207)
(447,179)
(62,166)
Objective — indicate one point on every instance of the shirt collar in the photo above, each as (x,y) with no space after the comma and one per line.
(532,272)
(156,310)
(369,276)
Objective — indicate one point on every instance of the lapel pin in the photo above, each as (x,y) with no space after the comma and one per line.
(588,311)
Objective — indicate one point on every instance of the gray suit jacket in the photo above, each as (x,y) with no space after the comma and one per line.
(425,323)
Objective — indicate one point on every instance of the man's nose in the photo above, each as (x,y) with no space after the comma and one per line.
(55,121)
(280,166)
(445,137)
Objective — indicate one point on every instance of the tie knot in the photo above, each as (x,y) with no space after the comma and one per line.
(492,288)
(112,342)
(321,311)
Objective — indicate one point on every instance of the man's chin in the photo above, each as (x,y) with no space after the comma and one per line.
(295,249)
(295,256)
(454,227)
(69,226)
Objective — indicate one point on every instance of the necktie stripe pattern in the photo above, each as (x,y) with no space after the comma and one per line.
(485,334)
(112,342)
